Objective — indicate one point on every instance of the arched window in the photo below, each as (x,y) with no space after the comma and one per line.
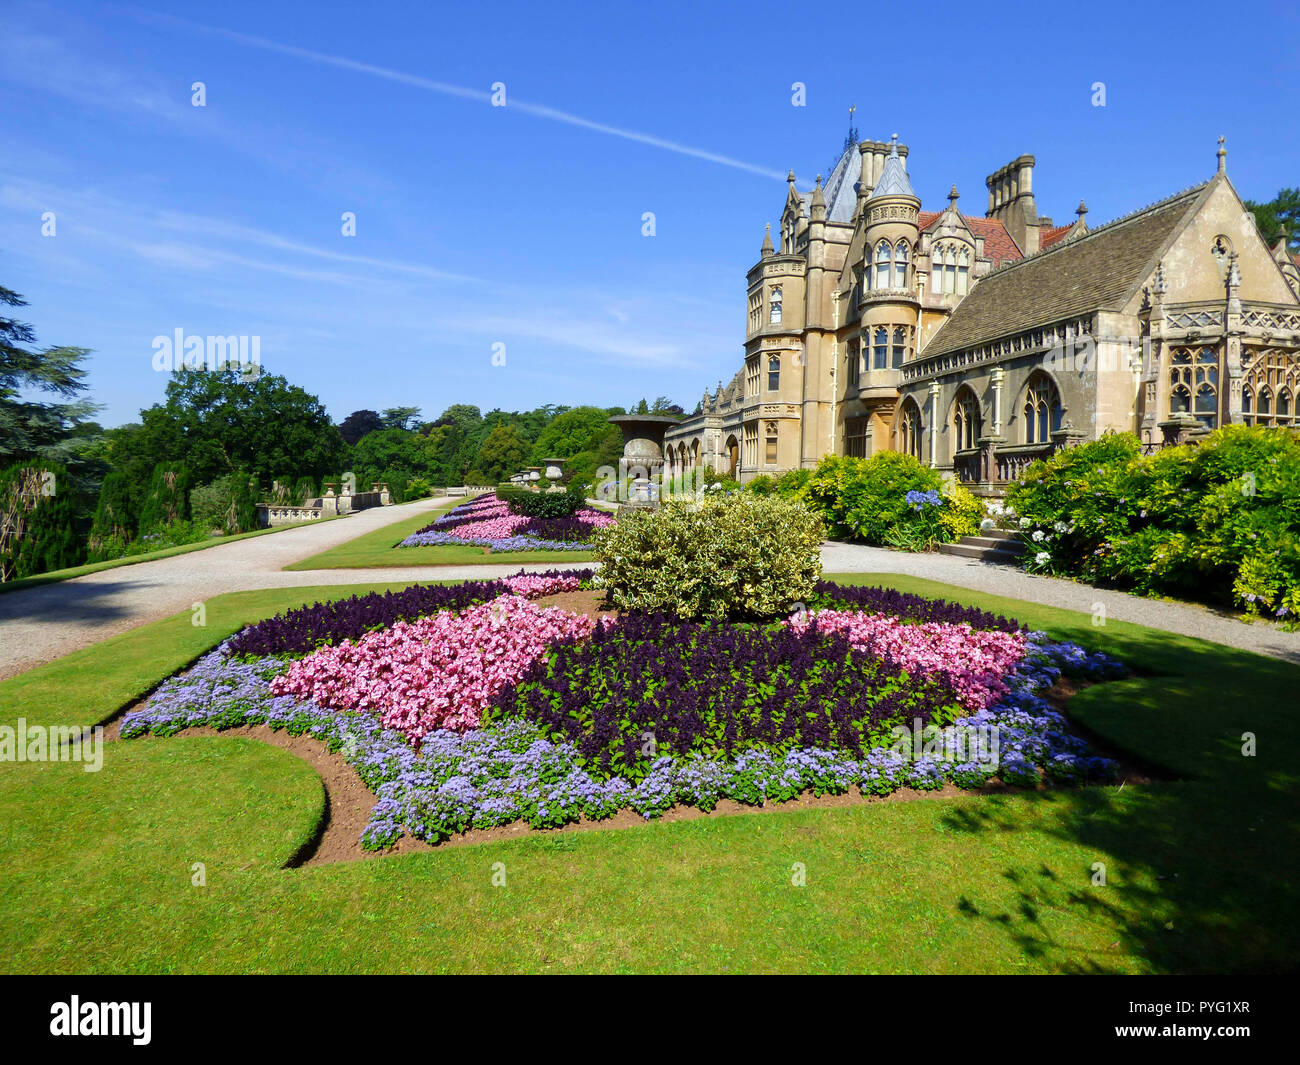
(907,437)
(900,347)
(1042,411)
(775,314)
(774,373)
(882,266)
(1247,403)
(950,269)
(966,421)
(1274,377)
(1195,374)
(880,349)
(900,264)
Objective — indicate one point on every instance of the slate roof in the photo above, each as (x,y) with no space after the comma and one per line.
(1075,277)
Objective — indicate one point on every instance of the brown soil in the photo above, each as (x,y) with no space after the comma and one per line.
(590,602)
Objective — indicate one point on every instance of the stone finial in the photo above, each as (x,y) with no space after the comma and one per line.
(1081,210)
(1222,154)
(767,248)
(1161,286)
(953,196)
(790,179)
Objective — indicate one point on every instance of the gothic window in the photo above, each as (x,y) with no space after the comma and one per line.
(882,266)
(1194,384)
(1247,402)
(769,452)
(880,357)
(900,347)
(774,373)
(751,376)
(908,435)
(775,313)
(900,265)
(855,363)
(1042,411)
(1274,378)
(963,271)
(966,421)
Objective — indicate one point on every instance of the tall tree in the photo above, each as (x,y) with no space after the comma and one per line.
(399,417)
(218,421)
(358,423)
(31,428)
(503,452)
(1282,210)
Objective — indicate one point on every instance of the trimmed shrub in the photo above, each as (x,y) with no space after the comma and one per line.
(739,556)
(114,524)
(543,504)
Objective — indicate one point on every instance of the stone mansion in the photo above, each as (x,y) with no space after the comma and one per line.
(979,344)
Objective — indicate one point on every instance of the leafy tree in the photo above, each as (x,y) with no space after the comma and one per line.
(503,452)
(1282,210)
(218,421)
(357,424)
(579,429)
(57,430)
(399,417)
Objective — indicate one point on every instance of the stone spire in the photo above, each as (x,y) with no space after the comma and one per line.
(1222,154)
(817,209)
(893,177)
(767,248)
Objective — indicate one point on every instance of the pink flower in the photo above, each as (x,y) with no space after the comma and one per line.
(972,661)
(436,672)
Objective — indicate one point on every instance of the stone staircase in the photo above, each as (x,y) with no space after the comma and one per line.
(992,545)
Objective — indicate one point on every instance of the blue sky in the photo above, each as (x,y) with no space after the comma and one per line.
(522,225)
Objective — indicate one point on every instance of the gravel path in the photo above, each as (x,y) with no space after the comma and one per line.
(1009,581)
(42,623)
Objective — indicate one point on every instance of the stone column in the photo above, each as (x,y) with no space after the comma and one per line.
(934,423)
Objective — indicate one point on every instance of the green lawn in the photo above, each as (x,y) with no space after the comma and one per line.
(379,549)
(148,556)
(95,869)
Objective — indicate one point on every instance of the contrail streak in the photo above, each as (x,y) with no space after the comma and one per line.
(461,91)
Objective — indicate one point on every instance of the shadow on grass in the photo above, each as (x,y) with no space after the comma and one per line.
(1199,878)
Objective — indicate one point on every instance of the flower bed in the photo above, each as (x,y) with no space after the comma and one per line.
(492,710)
(488,522)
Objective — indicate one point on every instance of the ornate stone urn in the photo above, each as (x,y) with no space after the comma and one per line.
(643,453)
